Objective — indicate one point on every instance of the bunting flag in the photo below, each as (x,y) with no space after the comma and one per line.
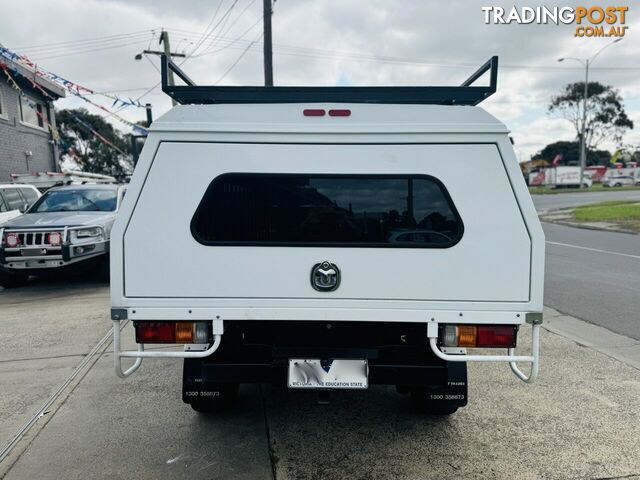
(96,134)
(72,87)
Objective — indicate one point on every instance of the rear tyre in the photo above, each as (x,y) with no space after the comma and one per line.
(422,402)
(403,389)
(12,280)
(223,398)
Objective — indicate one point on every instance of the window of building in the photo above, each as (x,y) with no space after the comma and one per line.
(32,112)
(327,210)
(3,107)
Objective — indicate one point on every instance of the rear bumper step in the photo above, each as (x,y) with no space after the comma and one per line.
(444,382)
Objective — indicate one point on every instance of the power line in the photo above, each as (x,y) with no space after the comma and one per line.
(91,50)
(238,60)
(224,33)
(212,29)
(356,56)
(79,41)
(151,62)
(232,42)
(85,46)
(201,37)
(83,49)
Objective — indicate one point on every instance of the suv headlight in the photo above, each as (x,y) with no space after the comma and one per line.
(89,232)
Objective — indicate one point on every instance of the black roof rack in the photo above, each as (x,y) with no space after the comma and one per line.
(465,94)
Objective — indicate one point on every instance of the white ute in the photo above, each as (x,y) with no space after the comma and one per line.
(328,238)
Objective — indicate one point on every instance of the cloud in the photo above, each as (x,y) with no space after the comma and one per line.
(330,42)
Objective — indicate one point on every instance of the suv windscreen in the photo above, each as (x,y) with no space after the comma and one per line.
(80,200)
(327,210)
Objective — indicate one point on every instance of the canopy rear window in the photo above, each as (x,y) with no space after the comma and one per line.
(327,210)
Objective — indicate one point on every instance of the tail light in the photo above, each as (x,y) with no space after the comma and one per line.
(340,112)
(12,240)
(173,332)
(482,336)
(54,238)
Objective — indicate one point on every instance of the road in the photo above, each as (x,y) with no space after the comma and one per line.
(105,427)
(593,275)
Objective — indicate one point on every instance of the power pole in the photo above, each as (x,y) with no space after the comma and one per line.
(164,40)
(268,50)
(583,135)
(149,114)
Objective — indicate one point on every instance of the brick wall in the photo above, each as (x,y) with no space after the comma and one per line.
(17,138)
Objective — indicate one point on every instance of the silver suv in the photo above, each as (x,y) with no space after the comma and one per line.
(66,226)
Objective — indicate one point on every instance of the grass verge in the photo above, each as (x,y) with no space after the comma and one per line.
(623,213)
(597,187)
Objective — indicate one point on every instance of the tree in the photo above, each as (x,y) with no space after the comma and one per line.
(606,117)
(93,143)
(570,152)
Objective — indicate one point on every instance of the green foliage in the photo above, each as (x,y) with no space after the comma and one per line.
(570,152)
(94,155)
(606,117)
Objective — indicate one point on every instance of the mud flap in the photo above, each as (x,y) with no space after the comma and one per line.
(193,385)
(450,395)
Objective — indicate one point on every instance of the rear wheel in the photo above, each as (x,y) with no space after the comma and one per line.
(221,396)
(12,280)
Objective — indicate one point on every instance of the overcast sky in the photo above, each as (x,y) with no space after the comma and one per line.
(324,42)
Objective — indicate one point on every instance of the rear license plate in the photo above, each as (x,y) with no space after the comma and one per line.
(314,373)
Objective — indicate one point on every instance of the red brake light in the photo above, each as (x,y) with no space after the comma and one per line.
(55,238)
(155,332)
(12,240)
(314,112)
(340,113)
(492,336)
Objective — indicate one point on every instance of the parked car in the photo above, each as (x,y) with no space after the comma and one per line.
(621,181)
(65,227)
(15,200)
(333,249)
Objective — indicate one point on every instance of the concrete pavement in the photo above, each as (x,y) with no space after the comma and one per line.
(45,330)
(580,420)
